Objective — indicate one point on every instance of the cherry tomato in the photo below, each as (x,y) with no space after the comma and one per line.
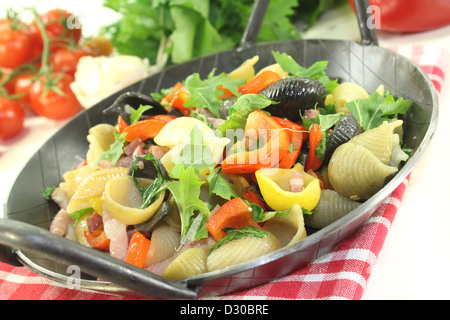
(12,117)
(22,84)
(58,28)
(66,60)
(15,45)
(51,104)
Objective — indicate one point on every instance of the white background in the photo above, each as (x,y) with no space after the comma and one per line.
(414,262)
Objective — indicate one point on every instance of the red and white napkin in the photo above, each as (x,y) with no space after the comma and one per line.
(341,273)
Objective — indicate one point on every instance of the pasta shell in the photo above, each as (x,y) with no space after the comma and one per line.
(246,70)
(332,206)
(73,178)
(288,229)
(241,250)
(100,137)
(346,92)
(356,173)
(164,242)
(123,201)
(189,263)
(91,186)
(380,140)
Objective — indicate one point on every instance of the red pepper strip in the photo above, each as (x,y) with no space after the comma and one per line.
(121,124)
(234,214)
(296,133)
(275,148)
(97,239)
(261,81)
(252,197)
(147,128)
(176,98)
(315,136)
(137,249)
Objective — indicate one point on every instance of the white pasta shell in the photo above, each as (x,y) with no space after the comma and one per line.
(381,140)
(346,92)
(123,201)
(100,137)
(189,263)
(241,250)
(73,178)
(357,173)
(178,131)
(91,186)
(331,207)
(245,70)
(164,242)
(288,229)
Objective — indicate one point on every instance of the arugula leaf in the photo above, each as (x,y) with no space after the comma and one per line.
(78,214)
(136,114)
(149,194)
(240,110)
(260,216)
(205,93)
(186,191)
(47,192)
(198,155)
(115,150)
(317,71)
(235,234)
(374,110)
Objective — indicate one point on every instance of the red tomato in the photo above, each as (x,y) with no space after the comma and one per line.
(60,28)
(15,46)
(12,117)
(66,60)
(51,104)
(22,84)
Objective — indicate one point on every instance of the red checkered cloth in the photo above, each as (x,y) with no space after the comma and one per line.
(342,273)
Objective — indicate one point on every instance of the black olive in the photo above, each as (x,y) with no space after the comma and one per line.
(294,95)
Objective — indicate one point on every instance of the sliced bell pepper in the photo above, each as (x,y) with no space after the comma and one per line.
(297,132)
(121,124)
(97,239)
(147,128)
(260,82)
(259,126)
(234,214)
(252,197)
(176,98)
(274,185)
(137,249)
(313,162)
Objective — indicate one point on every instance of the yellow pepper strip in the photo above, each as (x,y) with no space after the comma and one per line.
(275,189)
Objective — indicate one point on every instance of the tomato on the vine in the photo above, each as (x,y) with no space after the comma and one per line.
(58,30)
(51,104)
(22,84)
(66,60)
(15,45)
(12,118)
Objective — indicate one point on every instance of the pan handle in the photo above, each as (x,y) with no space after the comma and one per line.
(363,12)
(29,238)
(254,24)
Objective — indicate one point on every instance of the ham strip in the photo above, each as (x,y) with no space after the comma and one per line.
(115,231)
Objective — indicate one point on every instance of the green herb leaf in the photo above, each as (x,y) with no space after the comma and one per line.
(137,114)
(47,192)
(78,214)
(240,110)
(235,234)
(115,150)
(205,93)
(376,109)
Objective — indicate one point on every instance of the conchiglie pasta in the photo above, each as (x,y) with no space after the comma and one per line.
(164,242)
(91,186)
(100,137)
(274,68)
(242,250)
(346,92)
(189,263)
(381,140)
(356,173)
(246,70)
(73,178)
(123,201)
(288,229)
(332,206)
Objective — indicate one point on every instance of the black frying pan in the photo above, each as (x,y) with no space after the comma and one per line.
(28,215)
